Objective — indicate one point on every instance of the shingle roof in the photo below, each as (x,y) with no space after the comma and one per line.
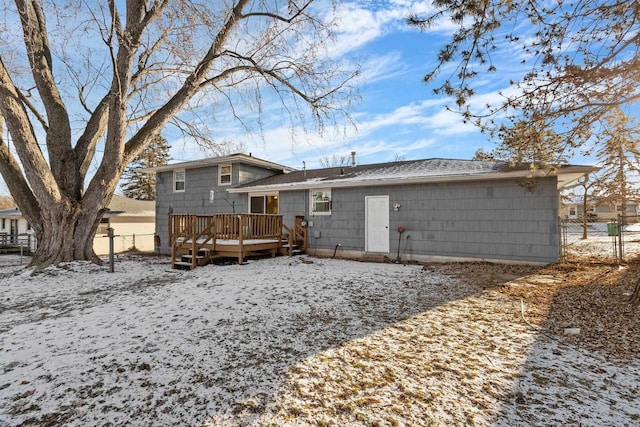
(125,206)
(380,171)
(120,205)
(10,212)
(211,161)
(425,170)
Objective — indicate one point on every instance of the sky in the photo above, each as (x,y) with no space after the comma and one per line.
(397,115)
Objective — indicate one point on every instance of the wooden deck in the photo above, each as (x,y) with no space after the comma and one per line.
(197,239)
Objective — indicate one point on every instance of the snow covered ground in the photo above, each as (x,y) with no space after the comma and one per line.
(288,341)
(599,244)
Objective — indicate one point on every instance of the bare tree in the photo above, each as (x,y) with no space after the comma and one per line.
(587,186)
(334,161)
(87,91)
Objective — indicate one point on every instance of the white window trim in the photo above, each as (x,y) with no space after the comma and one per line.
(262,194)
(184,181)
(311,206)
(220,175)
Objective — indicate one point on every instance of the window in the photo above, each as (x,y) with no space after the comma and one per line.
(4,223)
(224,174)
(266,204)
(179,179)
(572,211)
(28,227)
(321,202)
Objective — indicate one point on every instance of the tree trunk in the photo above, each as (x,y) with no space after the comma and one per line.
(67,235)
(635,297)
(584,215)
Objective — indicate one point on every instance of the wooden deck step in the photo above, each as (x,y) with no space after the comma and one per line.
(182,265)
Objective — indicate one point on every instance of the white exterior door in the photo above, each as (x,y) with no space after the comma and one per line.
(377,224)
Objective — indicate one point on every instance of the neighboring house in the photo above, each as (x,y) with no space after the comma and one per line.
(131,219)
(449,209)
(133,223)
(14,229)
(572,208)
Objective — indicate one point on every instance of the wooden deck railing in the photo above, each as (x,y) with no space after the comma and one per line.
(300,233)
(200,231)
(296,236)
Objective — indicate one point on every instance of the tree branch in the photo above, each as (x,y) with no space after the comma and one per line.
(42,181)
(61,156)
(288,20)
(189,87)
(18,186)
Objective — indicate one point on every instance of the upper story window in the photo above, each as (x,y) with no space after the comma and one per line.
(321,202)
(224,174)
(179,179)
(4,223)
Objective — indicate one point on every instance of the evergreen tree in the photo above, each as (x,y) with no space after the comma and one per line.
(577,60)
(526,143)
(140,185)
(619,157)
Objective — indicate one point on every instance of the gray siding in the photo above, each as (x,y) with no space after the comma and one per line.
(244,174)
(199,182)
(497,220)
(489,220)
(292,203)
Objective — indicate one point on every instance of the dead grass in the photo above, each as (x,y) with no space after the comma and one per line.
(588,295)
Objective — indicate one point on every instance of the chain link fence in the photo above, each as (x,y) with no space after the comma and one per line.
(124,242)
(600,240)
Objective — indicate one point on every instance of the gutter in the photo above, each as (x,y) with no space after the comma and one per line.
(373,182)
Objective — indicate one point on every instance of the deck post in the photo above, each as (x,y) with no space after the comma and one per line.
(240,240)
(194,250)
(172,240)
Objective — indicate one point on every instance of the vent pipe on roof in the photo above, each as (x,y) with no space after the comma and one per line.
(304,168)
(353,159)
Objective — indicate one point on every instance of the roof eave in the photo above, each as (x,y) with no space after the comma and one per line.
(572,173)
(218,161)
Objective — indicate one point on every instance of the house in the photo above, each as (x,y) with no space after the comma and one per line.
(133,222)
(15,230)
(572,208)
(422,210)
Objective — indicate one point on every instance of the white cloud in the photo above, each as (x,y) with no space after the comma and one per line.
(384,67)
(446,122)
(360,23)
